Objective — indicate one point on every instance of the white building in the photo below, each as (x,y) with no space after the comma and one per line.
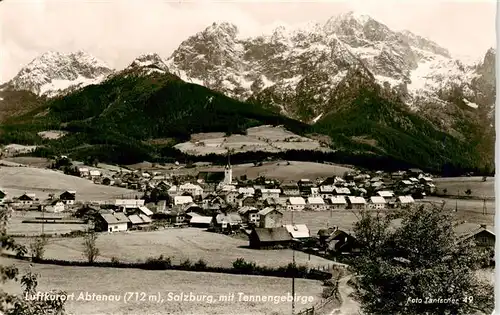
(377,202)
(270,193)
(338,202)
(192,189)
(129,203)
(55,207)
(296,203)
(114,222)
(181,200)
(356,202)
(316,203)
(405,200)
(95,174)
(341,191)
(246,191)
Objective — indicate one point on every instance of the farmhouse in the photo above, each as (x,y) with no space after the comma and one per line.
(482,234)
(270,193)
(246,191)
(386,194)
(356,202)
(26,199)
(316,203)
(139,220)
(68,197)
(338,202)
(249,201)
(55,206)
(128,203)
(226,222)
(405,200)
(290,189)
(270,218)
(341,242)
(269,237)
(83,171)
(249,215)
(231,197)
(296,203)
(112,222)
(298,231)
(181,200)
(94,174)
(341,191)
(193,190)
(200,221)
(377,202)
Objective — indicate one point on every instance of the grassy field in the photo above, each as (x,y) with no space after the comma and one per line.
(109,281)
(468,210)
(262,138)
(17,180)
(456,186)
(179,244)
(278,170)
(30,161)
(16,227)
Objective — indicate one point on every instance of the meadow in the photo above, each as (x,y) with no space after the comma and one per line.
(114,281)
(179,244)
(457,186)
(15,181)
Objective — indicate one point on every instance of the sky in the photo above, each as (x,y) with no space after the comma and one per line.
(117,31)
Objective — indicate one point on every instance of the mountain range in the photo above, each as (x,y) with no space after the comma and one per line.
(366,86)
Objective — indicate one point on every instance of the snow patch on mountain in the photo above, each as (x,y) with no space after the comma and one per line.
(53,73)
(470,104)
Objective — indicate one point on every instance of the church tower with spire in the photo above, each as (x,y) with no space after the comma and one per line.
(228,170)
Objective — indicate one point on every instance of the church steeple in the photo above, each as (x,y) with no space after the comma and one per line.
(228,171)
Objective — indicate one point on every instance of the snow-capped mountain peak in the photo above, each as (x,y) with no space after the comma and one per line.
(148,63)
(54,73)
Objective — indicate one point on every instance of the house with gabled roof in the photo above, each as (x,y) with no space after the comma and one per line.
(341,191)
(337,202)
(483,235)
(249,215)
(68,197)
(27,199)
(354,202)
(261,238)
(180,200)
(270,217)
(404,200)
(296,203)
(226,222)
(270,193)
(83,171)
(112,222)
(316,204)
(377,203)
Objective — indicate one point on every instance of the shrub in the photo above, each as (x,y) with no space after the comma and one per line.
(37,247)
(200,265)
(186,263)
(115,261)
(241,264)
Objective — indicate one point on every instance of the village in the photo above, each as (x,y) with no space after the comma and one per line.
(218,202)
